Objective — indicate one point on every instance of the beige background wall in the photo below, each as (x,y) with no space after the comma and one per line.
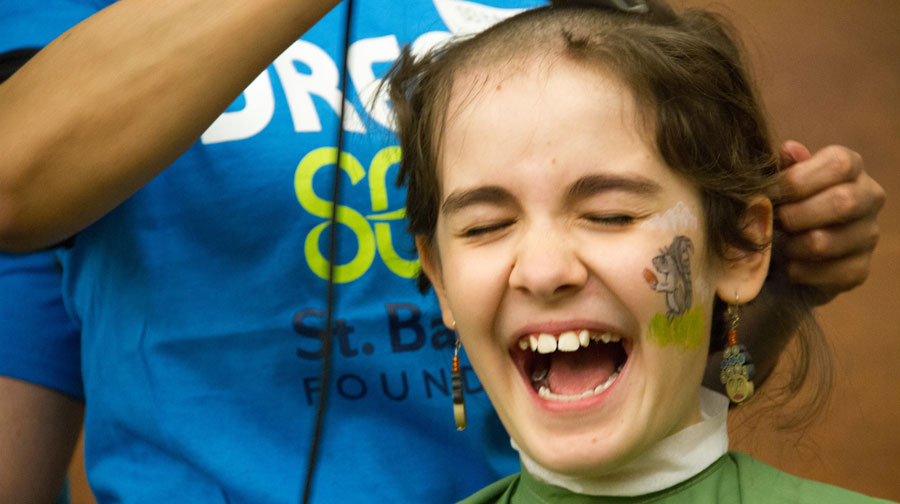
(829,71)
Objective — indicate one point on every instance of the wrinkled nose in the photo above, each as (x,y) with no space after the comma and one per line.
(547,266)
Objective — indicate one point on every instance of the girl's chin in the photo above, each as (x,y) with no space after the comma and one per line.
(579,457)
(585,437)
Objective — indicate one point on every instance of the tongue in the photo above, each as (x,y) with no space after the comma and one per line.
(572,373)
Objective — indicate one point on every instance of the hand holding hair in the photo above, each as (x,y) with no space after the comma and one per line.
(827,206)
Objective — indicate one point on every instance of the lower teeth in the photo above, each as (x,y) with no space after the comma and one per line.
(544,391)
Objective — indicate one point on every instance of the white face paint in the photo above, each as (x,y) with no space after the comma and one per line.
(679,219)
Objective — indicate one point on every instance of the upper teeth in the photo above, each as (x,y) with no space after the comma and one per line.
(568,341)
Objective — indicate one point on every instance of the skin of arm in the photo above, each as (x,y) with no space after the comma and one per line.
(40,430)
(827,210)
(143,80)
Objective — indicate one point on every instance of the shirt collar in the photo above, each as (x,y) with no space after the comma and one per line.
(676,458)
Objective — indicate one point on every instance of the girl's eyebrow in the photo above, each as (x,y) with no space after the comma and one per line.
(590,185)
(494,195)
(582,188)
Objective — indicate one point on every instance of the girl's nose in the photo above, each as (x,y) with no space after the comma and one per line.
(547,266)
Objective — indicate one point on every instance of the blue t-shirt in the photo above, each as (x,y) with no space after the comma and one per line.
(38,341)
(201,299)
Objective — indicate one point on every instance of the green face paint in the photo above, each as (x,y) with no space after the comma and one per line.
(685,331)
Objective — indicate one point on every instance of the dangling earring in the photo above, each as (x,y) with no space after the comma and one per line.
(456,383)
(738,370)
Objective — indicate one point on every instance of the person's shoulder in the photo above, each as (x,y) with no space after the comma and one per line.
(760,482)
(497,492)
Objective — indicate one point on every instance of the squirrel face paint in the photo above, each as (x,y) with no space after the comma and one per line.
(683,323)
(540,257)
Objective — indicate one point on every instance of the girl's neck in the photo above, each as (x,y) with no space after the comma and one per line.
(675,459)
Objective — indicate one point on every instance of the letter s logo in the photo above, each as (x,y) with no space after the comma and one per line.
(303,178)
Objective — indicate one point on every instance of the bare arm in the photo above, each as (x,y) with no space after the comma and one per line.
(112,102)
(40,429)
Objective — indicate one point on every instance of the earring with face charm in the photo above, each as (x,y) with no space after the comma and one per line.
(738,370)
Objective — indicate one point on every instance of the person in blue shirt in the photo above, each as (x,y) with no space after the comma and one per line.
(182,153)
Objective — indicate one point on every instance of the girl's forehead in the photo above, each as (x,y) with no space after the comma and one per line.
(529,79)
(545,126)
(561,102)
(528,66)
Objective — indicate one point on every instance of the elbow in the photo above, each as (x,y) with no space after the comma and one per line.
(11,206)
(30,216)
(33,215)
(11,239)
(17,232)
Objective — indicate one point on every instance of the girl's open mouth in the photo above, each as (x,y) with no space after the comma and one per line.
(571,365)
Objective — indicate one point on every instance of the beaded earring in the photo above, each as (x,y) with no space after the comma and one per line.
(738,370)
(459,400)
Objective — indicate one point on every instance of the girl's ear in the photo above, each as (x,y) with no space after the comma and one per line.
(431,266)
(743,273)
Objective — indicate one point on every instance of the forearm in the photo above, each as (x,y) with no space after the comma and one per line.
(40,429)
(111,103)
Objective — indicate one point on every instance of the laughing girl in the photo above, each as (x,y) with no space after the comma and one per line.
(586,180)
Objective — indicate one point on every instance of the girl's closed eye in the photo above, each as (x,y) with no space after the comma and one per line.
(613,210)
(611,219)
(482,230)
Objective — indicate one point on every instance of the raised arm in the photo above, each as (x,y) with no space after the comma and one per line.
(112,102)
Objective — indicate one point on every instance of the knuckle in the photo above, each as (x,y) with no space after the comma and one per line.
(857,270)
(817,242)
(865,235)
(874,235)
(842,161)
(878,194)
(844,201)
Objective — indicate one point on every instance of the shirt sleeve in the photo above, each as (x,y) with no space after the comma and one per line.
(39,342)
(35,23)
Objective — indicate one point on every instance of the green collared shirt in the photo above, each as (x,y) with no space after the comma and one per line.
(733,478)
